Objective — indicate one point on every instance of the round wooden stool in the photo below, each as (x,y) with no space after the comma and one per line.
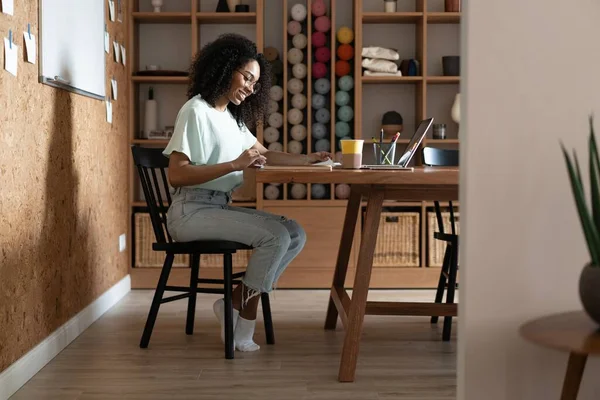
(572,331)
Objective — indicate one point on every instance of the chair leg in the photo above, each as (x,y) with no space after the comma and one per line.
(450,293)
(227,271)
(266,307)
(439,294)
(191,311)
(156,301)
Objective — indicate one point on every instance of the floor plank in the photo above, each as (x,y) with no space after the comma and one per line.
(400,357)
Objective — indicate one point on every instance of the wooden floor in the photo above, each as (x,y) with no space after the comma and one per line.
(400,357)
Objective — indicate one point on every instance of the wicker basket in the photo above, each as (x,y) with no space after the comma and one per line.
(397,240)
(144,237)
(239,260)
(437,248)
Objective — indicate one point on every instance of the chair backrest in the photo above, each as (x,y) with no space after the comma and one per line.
(148,161)
(434,156)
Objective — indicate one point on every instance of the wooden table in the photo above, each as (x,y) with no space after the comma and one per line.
(572,331)
(422,184)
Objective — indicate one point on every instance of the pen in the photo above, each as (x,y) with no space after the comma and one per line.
(392,144)
(375,145)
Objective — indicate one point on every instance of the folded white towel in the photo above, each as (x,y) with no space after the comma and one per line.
(373,73)
(378,65)
(380,52)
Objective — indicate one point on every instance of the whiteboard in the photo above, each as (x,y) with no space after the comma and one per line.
(72,53)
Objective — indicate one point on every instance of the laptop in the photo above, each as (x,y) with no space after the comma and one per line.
(410,150)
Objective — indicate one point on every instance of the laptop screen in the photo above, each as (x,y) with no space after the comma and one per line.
(415,141)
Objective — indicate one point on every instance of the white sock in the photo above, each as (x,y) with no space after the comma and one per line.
(219,309)
(244,332)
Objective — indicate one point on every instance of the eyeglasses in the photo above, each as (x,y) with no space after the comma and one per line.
(249,83)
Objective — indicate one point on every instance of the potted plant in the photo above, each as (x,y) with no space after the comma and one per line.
(589,280)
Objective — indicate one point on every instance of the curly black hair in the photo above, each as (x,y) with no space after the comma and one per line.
(211,74)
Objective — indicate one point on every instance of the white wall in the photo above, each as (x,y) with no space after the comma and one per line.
(531,77)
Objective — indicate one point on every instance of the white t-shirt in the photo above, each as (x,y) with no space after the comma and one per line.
(208,136)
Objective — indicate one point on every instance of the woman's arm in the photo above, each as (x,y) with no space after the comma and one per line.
(281,158)
(183,173)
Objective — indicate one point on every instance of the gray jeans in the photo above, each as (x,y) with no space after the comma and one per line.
(201,214)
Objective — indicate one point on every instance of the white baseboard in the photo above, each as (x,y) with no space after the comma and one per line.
(15,376)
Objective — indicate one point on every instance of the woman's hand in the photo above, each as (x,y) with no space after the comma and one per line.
(250,157)
(319,156)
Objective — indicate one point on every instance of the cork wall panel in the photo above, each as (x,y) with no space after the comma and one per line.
(63,194)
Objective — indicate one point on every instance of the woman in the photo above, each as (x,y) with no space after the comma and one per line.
(210,147)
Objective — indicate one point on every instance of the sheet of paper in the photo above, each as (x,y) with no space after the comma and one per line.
(108,111)
(123,55)
(113,85)
(106,42)
(10,57)
(117,52)
(111,9)
(8,7)
(120,10)
(30,47)
(328,162)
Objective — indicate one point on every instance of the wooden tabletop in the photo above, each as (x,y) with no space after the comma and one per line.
(573,331)
(438,176)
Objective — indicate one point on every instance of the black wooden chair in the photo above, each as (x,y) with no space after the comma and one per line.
(445,157)
(148,161)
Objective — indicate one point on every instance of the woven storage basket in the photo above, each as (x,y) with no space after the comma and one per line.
(144,237)
(397,240)
(239,260)
(437,248)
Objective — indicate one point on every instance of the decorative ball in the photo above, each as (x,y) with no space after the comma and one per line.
(298,132)
(276,120)
(323,54)
(295,116)
(277,67)
(271,134)
(318,101)
(276,93)
(273,107)
(319,70)
(346,83)
(298,191)
(271,53)
(342,67)
(295,86)
(271,192)
(295,147)
(322,86)
(299,71)
(322,115)
(299,41)
(318,191)
(299,101)
(319,130)
(318,39)
(345,52)
(322,23)
(342,129)
(345,113)
(342,98)
(318,8)
(345,35)
(342,191)
(322,145)
(295,56)
(275,146)
(294,28)
(298,12)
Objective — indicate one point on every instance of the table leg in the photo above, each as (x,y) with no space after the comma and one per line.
(360,289)
(573,376)
(341,265)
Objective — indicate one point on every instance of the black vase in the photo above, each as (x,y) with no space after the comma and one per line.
(589,281)
(222,6)
(451,65)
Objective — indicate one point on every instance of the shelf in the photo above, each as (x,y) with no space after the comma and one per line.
(150,141)
(163,17)
(436,80)
(160,79)
(391,18)
(443,18)
(441,141)
(391,79)
(226,18)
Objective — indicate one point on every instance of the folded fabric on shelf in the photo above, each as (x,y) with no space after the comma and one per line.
(382,53)
(379,65)
(374,73)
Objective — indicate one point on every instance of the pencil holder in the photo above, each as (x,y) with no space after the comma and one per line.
(384,153)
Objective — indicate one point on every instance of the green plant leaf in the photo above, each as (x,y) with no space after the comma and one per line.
(594,176)
(590,232)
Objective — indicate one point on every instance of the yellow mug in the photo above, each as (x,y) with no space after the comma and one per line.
(352,153)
